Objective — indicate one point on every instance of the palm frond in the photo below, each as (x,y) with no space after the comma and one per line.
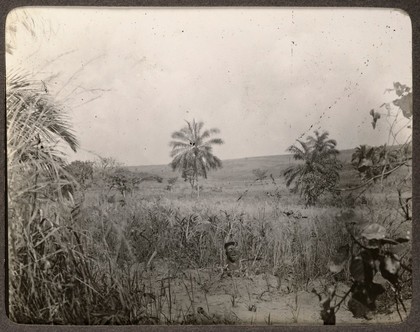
(292,172)
(213,141)
(180,135)
(26,101)
(209,132)
(179,150)
(198,126)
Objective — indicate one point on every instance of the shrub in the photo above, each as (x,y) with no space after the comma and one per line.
(319,171)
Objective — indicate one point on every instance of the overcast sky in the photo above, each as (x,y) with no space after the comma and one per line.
(130,77)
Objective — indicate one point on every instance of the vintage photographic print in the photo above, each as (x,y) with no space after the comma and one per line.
(206,166)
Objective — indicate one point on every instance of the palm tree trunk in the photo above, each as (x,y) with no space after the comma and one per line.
(196,177)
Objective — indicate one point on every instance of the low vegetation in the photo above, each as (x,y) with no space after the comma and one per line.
(97,243)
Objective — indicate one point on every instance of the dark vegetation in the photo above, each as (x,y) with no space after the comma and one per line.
(318,172)
(377,263)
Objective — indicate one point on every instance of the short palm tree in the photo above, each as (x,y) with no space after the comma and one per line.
(373,161)
(322,144)
(362,157)
(319,171)
(192,152)
(292,173)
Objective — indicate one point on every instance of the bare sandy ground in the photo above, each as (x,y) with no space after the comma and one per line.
(205,297)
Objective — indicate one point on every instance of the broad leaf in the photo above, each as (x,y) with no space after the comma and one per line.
(405,103)
(389,268)
(400,89)
(391,264)
(379,279)
(374,231)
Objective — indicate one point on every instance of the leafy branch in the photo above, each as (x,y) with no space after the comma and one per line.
(373,179)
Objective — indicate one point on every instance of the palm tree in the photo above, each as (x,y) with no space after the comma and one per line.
(362,157)
(36,125)
(36,175)
(319,171)
(322,144)
(192,152)
(373,161)
(301,154)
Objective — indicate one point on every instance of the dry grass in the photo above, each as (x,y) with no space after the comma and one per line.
(93,263)
(82,259)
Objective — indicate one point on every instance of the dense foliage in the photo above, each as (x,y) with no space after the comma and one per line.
(318,172)
(126,181)
(376,267)
(82,171)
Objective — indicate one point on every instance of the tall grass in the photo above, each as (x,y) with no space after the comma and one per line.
(79,259)
(53,276)
(193,234)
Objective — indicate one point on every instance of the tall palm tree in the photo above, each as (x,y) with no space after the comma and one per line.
(192,152)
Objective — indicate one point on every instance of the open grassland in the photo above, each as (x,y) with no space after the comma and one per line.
(240,169)
(156,256)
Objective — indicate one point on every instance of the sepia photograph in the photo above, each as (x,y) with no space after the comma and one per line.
(209,165)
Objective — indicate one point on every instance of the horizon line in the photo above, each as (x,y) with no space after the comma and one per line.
(259,156)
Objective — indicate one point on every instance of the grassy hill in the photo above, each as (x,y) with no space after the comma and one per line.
(240,169)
